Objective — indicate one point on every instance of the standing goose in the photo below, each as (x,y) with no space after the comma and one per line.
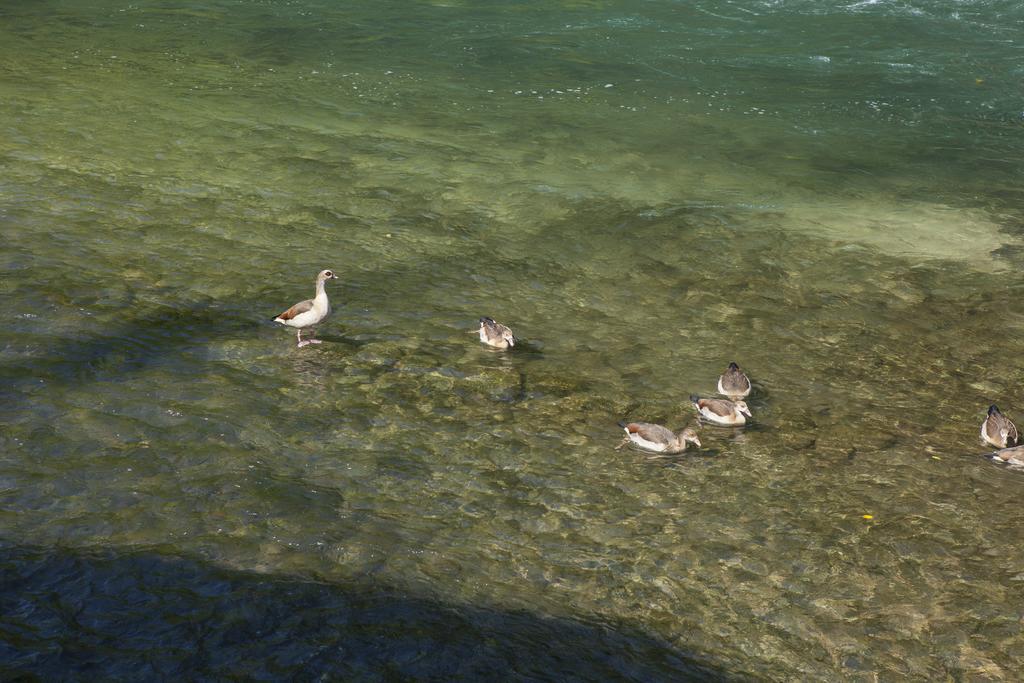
(998,430)
(652,437)
(722,412)
(495,334)
(734,383)
(311,311)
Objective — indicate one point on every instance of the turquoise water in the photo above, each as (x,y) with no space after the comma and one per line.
(827,193)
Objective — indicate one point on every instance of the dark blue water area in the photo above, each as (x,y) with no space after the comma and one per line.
(145,615)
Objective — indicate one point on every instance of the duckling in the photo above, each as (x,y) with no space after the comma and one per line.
(495,334)
(652,437)
(998,430)
(311,311)
(734,383)
(721,411)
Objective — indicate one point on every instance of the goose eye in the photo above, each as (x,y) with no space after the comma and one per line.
(329,274)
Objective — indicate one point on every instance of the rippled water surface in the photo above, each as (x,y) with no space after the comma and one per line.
(827,193)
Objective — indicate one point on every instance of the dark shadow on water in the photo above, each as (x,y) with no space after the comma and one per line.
(531,349)
(342,341)
(137,340)
(679,462)
(143,615)
(142,338)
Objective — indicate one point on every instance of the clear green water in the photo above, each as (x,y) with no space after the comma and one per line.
(827,193)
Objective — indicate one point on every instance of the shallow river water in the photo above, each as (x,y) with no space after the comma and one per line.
(828,193)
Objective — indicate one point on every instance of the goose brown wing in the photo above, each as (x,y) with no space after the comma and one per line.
(1010,428)
(297,309)
(735,381)
(991,427)
(717,406)
(650,432)
(494,329)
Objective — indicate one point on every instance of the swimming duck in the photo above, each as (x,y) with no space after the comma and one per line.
(998,430)
(721,411)
(652,437)
(495,334)
(1011,456)
(733,383)
(311,311)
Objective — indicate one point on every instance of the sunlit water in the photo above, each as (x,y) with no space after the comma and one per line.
(828,193)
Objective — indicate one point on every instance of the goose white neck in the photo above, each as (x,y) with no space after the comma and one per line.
(321,290)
